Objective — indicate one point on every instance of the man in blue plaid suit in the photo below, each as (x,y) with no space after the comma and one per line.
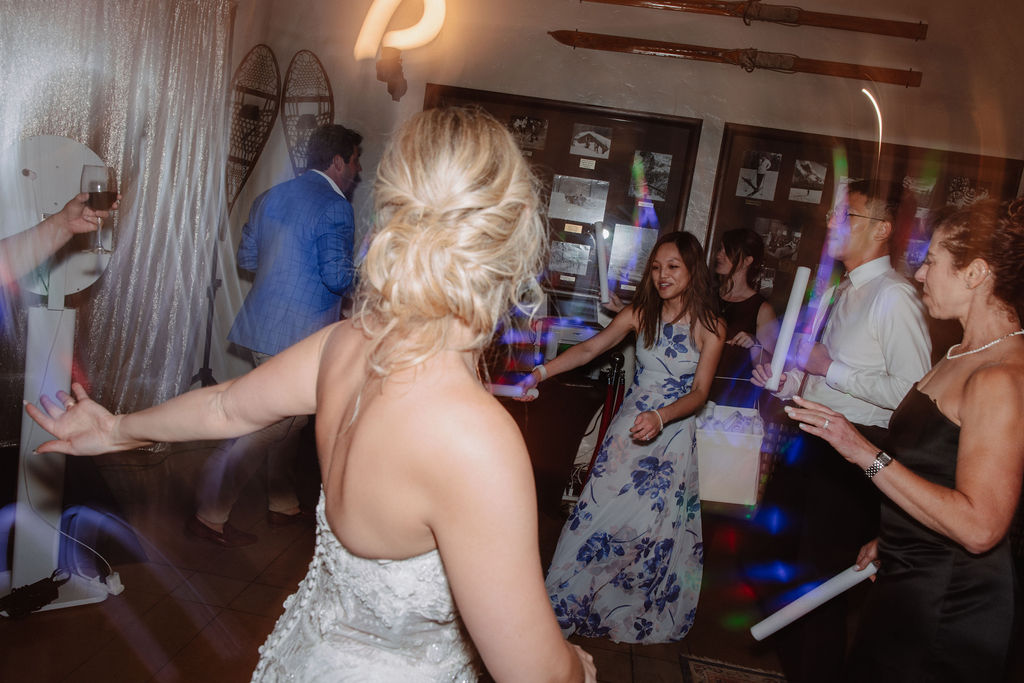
(298,241)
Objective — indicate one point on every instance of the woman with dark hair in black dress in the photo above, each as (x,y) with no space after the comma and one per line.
(750,321)
(951,469)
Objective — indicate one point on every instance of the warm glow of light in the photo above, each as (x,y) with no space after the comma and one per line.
(878,113)
(423,32)
(377,18)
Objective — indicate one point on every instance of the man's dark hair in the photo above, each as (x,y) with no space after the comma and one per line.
(329,140)
(882,201)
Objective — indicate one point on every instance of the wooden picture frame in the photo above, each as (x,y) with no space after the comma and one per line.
(782,183)
(585,157)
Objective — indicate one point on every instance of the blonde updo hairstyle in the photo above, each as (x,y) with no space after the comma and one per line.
(458,238)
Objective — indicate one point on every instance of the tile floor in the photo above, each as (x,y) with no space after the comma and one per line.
(194,612)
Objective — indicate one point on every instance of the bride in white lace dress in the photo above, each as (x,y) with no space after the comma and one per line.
(427,523)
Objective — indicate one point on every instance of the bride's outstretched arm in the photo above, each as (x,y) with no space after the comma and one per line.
(484,519)
(283,386)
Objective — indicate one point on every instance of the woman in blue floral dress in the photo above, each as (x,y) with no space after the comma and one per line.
(630,557)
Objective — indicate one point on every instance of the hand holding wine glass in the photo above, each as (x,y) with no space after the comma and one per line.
(100,183)
(78,217)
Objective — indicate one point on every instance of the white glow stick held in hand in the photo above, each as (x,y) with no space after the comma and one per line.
(796,299)
(805,603)
(602,262)
(512,391)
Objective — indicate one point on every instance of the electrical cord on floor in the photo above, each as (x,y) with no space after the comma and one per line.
(114,589)
(35,596)
(24,600)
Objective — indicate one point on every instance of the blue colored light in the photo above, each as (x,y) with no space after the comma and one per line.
(772,572)
(791,595)
(772,518)
(793,453)
(511,336)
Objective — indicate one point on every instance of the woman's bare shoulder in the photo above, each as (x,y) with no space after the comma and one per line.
(345,332)
(468,411)
(458,428)
(628,318)
(342,341)
(702,334)
(478,457)
(997,380)
(342,368)
(992,391)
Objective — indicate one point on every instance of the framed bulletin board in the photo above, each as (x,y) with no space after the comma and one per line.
(782,183)
(608,175)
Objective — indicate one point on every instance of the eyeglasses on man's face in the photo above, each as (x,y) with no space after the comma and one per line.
(843,214)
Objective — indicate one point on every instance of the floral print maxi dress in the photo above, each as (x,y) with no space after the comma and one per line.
(629,560)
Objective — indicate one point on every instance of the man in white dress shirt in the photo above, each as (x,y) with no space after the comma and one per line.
(874,347)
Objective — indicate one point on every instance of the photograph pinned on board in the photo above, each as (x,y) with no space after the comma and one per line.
(767,281)
(653,170)
(569,257)
(913,218)
(591,141)
(759,175)
(781,241)
(529,132)
(808,181)
(631,247)
(578,199)
(964,191)
(920,189)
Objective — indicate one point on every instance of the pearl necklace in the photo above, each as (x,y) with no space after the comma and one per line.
(951,356)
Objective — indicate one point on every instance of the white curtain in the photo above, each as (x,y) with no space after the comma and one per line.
(143,84)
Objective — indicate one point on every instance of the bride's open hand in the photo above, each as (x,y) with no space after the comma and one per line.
(82,426)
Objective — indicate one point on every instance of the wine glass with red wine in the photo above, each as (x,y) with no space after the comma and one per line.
(101,184)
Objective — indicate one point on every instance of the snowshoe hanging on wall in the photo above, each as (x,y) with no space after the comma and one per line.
(308,103)
(255,99)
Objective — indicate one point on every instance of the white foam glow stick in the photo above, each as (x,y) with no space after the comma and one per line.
(796,299)
(512,391)
(842,581)
(602,262)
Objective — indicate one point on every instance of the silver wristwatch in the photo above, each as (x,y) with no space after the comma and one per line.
(881,461)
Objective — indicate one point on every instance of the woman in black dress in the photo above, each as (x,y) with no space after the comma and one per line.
(750,321)
(951,469)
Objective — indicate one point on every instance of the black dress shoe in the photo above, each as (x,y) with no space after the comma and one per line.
(281,519)
(229,538)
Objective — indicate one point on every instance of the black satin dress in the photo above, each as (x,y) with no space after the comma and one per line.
(731,386)
(936,612)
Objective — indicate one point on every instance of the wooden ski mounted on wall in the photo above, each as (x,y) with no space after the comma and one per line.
(755,10)
(749,58)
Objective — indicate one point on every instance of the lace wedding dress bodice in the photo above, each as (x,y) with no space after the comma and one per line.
(355,619)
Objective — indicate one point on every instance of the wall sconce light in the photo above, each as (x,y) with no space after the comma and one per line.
(371,35)
(878,114)
(389,70)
